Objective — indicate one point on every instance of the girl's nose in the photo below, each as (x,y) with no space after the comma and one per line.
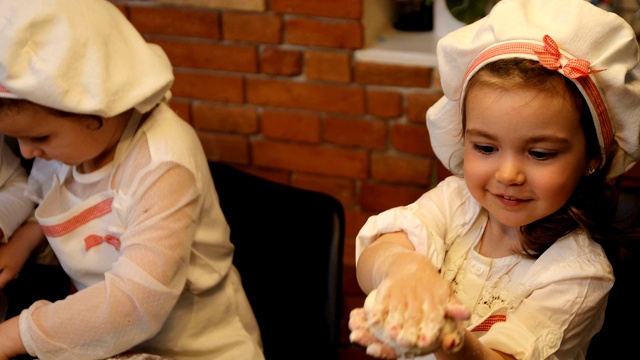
(510,173)
(29,151)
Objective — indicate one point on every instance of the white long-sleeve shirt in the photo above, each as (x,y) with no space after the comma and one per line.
(15,208)
(547,308)
(162,282)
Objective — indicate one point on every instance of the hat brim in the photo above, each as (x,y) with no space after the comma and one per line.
(5,93)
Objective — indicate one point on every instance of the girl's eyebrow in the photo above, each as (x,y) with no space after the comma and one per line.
(550,138)
(478,132)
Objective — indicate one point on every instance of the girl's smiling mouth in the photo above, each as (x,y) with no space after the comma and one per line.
(509,200)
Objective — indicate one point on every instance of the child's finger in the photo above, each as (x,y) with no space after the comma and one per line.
(451,335)
(456,310)
(380,350)
(357,319)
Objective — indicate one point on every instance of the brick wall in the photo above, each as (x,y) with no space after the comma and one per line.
(278,93)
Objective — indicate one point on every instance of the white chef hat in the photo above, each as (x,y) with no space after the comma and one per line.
(80,56)
(588,39)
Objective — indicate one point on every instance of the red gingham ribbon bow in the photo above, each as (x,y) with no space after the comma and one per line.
(551,58)
(94,240)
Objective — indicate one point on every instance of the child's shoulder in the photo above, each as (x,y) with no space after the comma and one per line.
(164,122)
(576,251)
(455,188)
(453,183)
(170,138)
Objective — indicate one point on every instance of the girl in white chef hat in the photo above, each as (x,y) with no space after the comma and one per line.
(125,197)
(540,114)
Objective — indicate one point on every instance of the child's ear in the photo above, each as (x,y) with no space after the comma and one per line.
(592,166)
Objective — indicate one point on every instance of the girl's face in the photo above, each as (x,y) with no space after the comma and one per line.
(524,152)
(73,140)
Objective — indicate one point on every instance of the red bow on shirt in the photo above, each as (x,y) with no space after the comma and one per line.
(94,240)
(551,58)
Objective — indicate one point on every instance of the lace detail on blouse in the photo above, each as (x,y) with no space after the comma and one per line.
(485,285)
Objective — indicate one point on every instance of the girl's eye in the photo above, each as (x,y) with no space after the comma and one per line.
(542,155)
(39,139)
(484,149)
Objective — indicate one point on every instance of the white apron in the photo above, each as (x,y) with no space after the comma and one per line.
(85,235)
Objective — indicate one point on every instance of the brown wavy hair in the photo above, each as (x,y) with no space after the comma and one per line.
(7,104)
(592,205)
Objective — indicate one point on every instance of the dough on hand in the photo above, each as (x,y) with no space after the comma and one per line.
(446,326)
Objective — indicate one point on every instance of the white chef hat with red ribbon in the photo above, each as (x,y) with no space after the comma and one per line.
(80,56)
(595,48)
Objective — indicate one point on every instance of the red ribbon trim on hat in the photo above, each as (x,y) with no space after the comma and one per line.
(577,69)
(4,89)
(551,58)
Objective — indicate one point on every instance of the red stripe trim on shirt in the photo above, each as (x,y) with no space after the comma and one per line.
(488,323)
(94,212)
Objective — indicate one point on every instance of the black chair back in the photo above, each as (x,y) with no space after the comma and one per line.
(288,251)
(616,339)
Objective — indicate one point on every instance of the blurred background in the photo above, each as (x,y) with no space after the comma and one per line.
(327,95)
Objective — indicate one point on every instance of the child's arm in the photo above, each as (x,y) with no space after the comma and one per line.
(15,253)
(15,208)
(412,309)
(10,341)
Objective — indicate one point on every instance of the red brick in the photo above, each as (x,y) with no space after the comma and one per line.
(312,159)
(418,104)
(634,172)
(204,55)
(328,65)
(276,61)
(122,7)
(384,104)
(401,169)
(346,9)
(435,81)
(340,188)
(355,132)
(355,220)
(412,139)
(349,253)
(254,27)
(294,126)
(442,172)
(351,289)
(380,197)
(277,176)
(177,21)
(631,182)
(248,5)
(298,95)
(208,87)
(225,148)
(392,75)
(230,119)
(182,108)
(335,34)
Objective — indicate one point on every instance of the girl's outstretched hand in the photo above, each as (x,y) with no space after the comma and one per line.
(388,337)
(411,309)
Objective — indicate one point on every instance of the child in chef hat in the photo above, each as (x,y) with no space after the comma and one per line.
(540,115)
(125,198)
